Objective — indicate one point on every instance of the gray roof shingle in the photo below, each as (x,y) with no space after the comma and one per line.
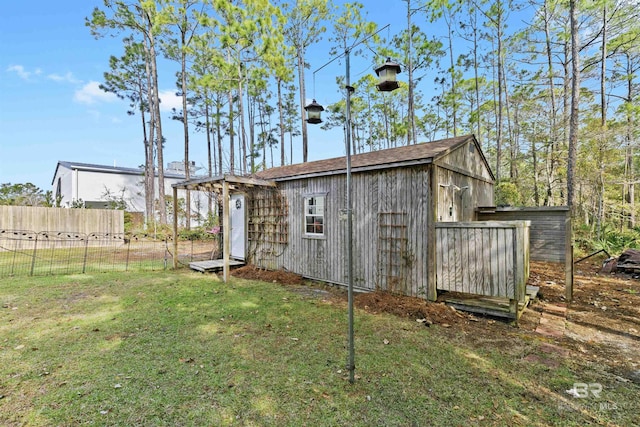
(419,153)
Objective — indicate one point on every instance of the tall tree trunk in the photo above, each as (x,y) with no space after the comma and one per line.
(536,174)
(575,99)
(251,113)
(242,137)
(150,169)
(219,132)
(603,122)
(629,164)
(232,155)
(150,40)
(476,65)
(552,146)
(452,75)
(305,144)
(207,124)
(411,134)
(185,127)
(281,117)
(500,102)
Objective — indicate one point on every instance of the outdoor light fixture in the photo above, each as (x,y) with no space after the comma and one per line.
(313,112)
(387,73)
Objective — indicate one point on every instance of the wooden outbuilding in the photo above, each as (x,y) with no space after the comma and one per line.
(398,196)
(294,217)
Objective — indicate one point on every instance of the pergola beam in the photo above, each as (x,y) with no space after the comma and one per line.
(224,184)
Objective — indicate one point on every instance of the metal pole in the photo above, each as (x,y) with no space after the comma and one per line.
(352,364)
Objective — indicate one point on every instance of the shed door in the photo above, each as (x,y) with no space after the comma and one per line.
(238,235)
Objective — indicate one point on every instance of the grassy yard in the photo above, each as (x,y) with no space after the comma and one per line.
(178,348)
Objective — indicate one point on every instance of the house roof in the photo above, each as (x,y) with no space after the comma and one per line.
(106,169)
(422,153)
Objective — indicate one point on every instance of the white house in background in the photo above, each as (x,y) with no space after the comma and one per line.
(96,185)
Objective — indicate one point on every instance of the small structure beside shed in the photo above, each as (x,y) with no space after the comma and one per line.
(293,217)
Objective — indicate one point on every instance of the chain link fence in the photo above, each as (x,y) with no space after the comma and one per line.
(29,253)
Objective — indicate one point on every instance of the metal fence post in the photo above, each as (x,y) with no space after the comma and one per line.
(86,249)
(33,259)
(128,243)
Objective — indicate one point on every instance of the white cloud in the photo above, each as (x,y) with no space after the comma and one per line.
(91,93)
(68,78)
(22,72)
(169,100)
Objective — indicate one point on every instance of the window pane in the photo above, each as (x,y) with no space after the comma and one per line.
(314,215)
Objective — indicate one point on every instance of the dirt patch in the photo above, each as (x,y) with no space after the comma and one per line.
(251,272)
(410,307)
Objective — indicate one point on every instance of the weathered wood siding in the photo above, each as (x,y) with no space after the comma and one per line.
(467,160)
(464,182)
(483,258)
(550,229)
(59,219)
(400,195)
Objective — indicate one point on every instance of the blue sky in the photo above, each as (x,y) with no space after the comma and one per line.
(51,108)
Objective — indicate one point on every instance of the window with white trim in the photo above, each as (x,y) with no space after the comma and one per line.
(314,215)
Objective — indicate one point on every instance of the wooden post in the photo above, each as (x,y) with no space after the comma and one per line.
(175,227)
(226,231)
(568,259)
(432,217)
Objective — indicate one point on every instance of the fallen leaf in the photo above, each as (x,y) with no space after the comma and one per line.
(19,347)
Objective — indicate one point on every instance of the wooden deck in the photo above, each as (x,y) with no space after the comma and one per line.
(492,306)
(213,265)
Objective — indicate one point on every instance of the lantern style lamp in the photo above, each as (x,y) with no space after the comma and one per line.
(313,112)
(387,74)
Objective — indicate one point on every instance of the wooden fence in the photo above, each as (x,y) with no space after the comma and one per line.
(489,259)
(551,238)
(87,221)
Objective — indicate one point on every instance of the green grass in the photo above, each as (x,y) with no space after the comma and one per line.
(182,349)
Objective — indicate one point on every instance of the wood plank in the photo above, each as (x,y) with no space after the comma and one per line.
(431,217)
(214,264)
(226,230)
(510,263)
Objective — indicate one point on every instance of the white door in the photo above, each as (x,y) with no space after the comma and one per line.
(237,217)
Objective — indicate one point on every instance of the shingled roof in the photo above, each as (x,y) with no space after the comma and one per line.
(391,157)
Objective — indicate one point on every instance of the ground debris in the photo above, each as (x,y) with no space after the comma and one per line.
(252,272)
